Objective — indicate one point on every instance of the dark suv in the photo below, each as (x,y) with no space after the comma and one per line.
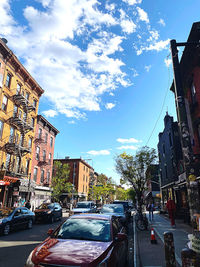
(126,207)
(50,212)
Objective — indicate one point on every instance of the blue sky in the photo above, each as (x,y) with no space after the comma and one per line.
(105,67)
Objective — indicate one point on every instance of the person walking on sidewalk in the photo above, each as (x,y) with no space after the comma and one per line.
(171,207)
(150,208)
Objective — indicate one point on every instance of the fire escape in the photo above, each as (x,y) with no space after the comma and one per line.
(17,147)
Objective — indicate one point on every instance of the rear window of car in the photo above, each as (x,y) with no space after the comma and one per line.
(112,209)
(83,205)
(85,229)
(125,204)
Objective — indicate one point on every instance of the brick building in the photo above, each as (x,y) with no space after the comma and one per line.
(42,160)
(79,176)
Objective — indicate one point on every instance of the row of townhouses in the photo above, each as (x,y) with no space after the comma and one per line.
(27,141)
(171,168)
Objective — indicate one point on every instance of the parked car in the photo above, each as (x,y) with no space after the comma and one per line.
(126,207)
(84,240)
(48,212)
(117,210)
(84,207)
(15,218)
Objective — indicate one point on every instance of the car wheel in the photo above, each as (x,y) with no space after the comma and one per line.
(30,224)
(6,229)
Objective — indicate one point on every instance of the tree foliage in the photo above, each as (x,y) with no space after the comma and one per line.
(60,179)
(132,169)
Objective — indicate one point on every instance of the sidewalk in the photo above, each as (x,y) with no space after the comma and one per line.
(154,254)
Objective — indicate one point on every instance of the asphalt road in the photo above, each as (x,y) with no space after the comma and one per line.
(15,248)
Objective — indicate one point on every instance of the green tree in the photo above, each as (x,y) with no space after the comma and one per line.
(121,193)
(60,178)
(131,194)
(132,169)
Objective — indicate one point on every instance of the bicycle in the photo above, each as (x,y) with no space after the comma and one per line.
(141,221)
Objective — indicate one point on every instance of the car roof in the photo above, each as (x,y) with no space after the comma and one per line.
(92,216)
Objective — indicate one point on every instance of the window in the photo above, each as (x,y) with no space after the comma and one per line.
(30,142)
(50,157)
(170,139)
(51,142)
(4,103)
(20,140)
(48,177)
(35,103)
(86,188)
(27,96)
(15,111)
(8,80)
(7,160)
(166,174)
(46,137)
(32,122)
(27,166)
(11,139)
(1,128)
(37,153)
(16,138)
(44,155)
(163,147)
(24,116)
(42,176)
(83,188)
(40,133)
(83,177)
(20,114)
(18,89)
(35,171)
(193,93)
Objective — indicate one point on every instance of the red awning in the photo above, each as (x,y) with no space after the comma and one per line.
(10,179)
(4,183)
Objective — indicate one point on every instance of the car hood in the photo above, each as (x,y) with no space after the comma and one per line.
(69,252)
(81,210)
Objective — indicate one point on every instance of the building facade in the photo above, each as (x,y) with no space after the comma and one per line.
(19,98)
(42,160)
(79,176)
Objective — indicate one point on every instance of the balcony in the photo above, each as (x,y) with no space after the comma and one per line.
(23,126)
(14,147)
(43,161)
(20,100)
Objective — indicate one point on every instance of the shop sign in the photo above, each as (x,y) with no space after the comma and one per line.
(16,193)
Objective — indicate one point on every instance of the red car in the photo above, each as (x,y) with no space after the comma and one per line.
(84,240)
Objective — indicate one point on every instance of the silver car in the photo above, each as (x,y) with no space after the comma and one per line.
(84,207)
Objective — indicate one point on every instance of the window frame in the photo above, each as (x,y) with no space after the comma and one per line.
(4,108)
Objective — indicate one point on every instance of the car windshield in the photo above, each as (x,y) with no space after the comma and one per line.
(83,205)
(46,206)
(112,209)
(4,212)
(85,229)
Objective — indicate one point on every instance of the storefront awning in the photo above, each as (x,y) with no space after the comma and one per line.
(10,179)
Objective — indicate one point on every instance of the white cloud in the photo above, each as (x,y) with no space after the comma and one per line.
(98,153)
(132,2)
(158,46)
(50,113)
(168,61)
(130,140)
(142,15)
(127,147)
(162,22)
(147,68)
(128,26)
(109,105)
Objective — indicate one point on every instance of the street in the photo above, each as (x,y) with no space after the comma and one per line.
(15,248)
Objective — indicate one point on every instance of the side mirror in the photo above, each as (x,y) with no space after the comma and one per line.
(121,237)
(50,232)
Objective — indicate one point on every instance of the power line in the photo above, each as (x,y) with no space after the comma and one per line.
(162,104)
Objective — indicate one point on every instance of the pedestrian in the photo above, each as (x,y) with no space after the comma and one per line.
(150,208)
(28,204)
(171,207)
